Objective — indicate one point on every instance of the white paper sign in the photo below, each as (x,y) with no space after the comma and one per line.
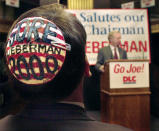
(132,24)
(129,74)
(147,3)
(13,3)
(128,5)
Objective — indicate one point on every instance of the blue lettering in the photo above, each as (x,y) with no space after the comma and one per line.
(48,32)
(82,16)
(18,38)
(33,29)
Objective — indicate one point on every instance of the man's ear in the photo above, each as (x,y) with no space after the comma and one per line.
(87,69)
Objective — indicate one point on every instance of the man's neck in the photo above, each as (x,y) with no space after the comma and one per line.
(113,45)
(76,96)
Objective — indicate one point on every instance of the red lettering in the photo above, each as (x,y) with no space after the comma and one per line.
(134,69)
(124,78)
(129,79)
(118,69)
(129,46)
(134,78)
(122,69)
(133,46)
(88,47)
(95,46)
(138,69)
(104,43)
(142,68)
(142,47)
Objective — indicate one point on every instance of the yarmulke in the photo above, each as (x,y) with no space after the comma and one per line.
(35,50)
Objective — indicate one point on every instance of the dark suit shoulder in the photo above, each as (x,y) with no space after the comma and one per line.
(80,125)
(61,125)
(104,48)
(108,127)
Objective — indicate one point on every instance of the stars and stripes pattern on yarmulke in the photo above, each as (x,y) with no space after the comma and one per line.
(36,50)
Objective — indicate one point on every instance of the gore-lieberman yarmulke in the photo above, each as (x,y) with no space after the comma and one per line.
(35,50)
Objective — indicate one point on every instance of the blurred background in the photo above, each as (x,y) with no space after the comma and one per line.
(11,9)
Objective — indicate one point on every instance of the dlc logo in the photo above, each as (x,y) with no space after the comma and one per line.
(129,79)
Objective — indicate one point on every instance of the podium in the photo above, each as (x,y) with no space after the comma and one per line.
(125,94)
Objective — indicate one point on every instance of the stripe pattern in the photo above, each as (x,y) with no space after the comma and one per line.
(35,50)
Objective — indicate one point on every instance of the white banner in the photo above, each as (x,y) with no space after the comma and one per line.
(147,3)
(129,74)
(13,3)
(132,24)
